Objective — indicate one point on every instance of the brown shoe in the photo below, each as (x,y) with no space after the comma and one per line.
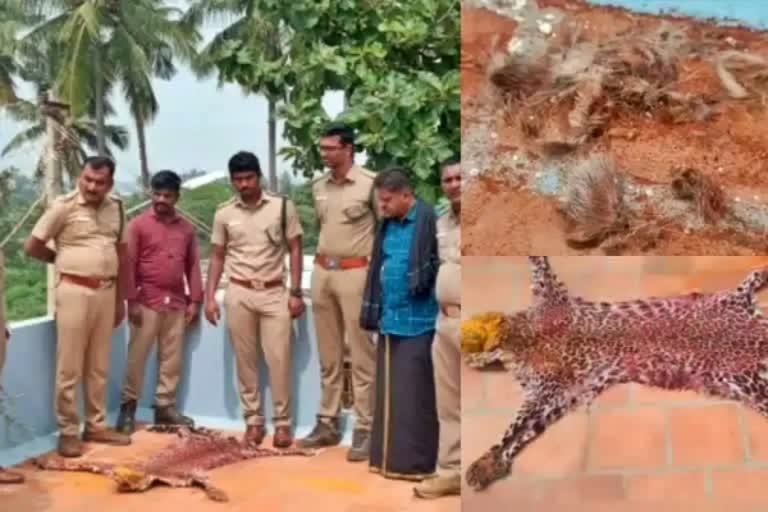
(70,446)
(254,435)
(283,437)
(106,436)
(10,477)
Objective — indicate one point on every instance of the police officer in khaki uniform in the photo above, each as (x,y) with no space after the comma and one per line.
(6,476)
(446,353)
(347,216)
(87,227)
(250,236)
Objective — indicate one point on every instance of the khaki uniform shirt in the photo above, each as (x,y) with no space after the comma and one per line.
(86,237)
(345,214)
(448,286)
(252,236)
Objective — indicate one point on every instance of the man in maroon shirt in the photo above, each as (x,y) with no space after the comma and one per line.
(162,251)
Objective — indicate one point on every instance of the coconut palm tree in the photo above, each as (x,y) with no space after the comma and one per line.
(264,37)
(109,43)
(11,19)
(69,141)
(50,123)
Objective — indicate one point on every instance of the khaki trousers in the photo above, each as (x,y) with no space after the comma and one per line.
(446,358)
(167,328)
(258,320)
(84,323)
(337,296)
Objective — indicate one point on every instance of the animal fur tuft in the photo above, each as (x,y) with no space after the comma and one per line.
(691,185)
(594,202)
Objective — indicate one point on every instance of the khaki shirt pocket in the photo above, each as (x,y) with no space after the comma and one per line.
(236,233)
(355,212)
(274,234)
(81,226)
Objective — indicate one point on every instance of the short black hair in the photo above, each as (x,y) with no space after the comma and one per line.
(453,160)
(394,179)
(166,180)
(98,163)
(244,161)
(345,133)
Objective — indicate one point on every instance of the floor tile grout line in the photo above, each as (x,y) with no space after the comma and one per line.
(746,438)
(669,449)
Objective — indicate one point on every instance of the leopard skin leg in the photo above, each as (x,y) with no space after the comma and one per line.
(544,404)
(749,287)
(747,388)
(547,288)
(546,401)
(214,493)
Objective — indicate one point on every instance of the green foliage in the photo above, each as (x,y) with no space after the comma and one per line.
(26,280)
(397,63)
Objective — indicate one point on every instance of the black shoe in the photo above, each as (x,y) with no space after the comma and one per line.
(127,418)
(170,416)
(322,435)
(361,446)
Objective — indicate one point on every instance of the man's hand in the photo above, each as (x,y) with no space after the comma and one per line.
(119,313)
(192,312)
(212,311)
(134,314)
(296,306)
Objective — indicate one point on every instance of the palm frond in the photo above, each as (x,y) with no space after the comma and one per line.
(27,136)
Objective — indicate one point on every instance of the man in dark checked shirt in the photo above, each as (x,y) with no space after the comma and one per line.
(162,251)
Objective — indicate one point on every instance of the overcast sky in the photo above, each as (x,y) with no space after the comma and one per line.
(198,126)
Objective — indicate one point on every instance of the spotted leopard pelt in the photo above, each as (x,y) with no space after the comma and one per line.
(565,351)
(183,463)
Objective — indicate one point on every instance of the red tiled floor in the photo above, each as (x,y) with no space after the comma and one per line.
(288,484)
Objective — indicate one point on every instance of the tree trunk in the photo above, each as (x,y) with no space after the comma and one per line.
(98,92)
(53,185)
(272,137)
(141,136)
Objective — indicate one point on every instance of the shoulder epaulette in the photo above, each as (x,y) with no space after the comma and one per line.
(320,178)
(275,195)
(228,202)
(367,172)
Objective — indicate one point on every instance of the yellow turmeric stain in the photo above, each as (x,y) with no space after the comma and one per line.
(481,333)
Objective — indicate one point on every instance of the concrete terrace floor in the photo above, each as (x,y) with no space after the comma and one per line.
(325,482)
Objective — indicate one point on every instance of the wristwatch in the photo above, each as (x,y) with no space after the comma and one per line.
(297,293)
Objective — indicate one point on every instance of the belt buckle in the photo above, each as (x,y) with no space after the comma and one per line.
(333,263)
(104,284)
(257,285)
